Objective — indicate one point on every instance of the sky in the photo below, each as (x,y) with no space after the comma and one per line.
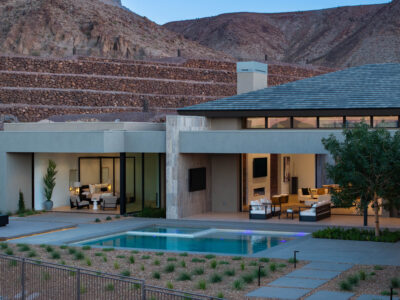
(163,11)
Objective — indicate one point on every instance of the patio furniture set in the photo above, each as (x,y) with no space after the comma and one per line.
(105,202)
(311,207)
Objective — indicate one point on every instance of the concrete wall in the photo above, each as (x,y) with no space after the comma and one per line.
(225,185)
(15,175)
(179,202)
(226,123)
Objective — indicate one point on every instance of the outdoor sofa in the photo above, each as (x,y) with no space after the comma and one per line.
(260,211)
(75,201)
(3,220)
(109,202)
(318,211)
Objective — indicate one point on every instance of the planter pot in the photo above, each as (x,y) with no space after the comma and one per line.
(48,205)
(3,220)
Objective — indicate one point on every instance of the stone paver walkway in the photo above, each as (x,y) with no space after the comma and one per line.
(375,297)
(302,281)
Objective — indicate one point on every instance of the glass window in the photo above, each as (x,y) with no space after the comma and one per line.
(388,122)
(351,121)
(330,122)
(308,122)
(279,123)
(255,123)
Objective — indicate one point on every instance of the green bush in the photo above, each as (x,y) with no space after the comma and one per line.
(353,279)
(183,254)
(21,203)
(201,284)
(32,253)
(387,293)
(126,273)
(209,256)
(291,260)
(237,258)
(248,278)
(117,216)
(184,276)
(378,268)
(12,263)
(362,275)
(105,258)
(98,254)
(156,275)
(223,262)
(263,273)
(252,264)
(220,295)
(79,256)
(169,285)
(395,283)
(86,248)
(151,212)
(281,266)
(97,220)
(183,264)
(171,259)
(63,247)
(55,255)
(356,234)
(9,251)
(23,247)
(142,267)
(273,267)
(169,268)
(116,265)
(238,285)
(198,271)
(108,249)
(131,259)
(197,260)
(3,246)
(345,286)
(264,259)
(213,264)
(109,287)
(88,262)
(230,272)
(160,253)
(215,278)
(156,262)
(145,256)
(71,250)
(121,256)
(108,218)
(49,249)
(134,252)
(242,266)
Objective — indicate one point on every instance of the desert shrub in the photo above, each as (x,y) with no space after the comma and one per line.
(362,275)
(237,258)
(230,272)
(282,266)
(108,249)
(242,266)
(156,262)
(263,273)
(248,278)
(395,283)
(353,279)
(213,264)
(131,259)
(98,254)
(171,259)
(126,273)
(134,252)
(291,260)
(121,256)
(223,262)
(264,259)
(184,276)
(142,267)
(273,267)
(79,256)
(71,250)
(156,275)
(32,253)
(109,287)
(63,247)
(253,264)
(9,251)
(198,271)
(117,216)
(49,249)
(183,254)
(116,265)
(197,260)
(145,256)
(105,258)
(183,264)
(3,246)
(215,278)
(108,218)
(86,248)
(63,262)
(55,255)
(345,286)
(23,247)
(97,220)
(209,256)
(88,262)
(238,285)
(201,284)
(220,295)
(169,285)
(12,263)
(169,268)
(378,268)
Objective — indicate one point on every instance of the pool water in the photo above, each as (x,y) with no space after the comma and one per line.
(236,242)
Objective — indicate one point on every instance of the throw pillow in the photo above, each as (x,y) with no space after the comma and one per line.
(305,191)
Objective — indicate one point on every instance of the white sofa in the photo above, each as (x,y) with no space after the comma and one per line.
(275,208)
(318,211)
(259,210)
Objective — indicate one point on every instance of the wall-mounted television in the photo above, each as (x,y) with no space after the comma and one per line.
(197,179)
(260,167)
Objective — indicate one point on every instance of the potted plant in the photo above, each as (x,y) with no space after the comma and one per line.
(49,181)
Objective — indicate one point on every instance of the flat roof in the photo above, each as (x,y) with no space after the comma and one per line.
(363,90)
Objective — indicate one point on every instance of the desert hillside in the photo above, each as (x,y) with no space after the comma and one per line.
(337,37)
(62,28)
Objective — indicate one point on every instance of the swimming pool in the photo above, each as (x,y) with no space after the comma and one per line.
(235,242)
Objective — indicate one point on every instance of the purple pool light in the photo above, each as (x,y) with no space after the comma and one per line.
(301,234)
(248,232)
(283,241)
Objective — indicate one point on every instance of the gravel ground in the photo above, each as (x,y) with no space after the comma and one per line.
(377,280)
(145,265)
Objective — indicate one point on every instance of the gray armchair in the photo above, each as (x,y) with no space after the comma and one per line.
(75,201)
(109,202)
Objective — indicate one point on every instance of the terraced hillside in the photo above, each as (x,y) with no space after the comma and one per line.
(33,88)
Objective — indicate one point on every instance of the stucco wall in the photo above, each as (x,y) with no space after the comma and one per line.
(225,186)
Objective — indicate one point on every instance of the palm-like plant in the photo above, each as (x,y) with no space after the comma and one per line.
(49,180)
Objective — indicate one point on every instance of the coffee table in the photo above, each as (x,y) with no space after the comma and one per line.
(290,210)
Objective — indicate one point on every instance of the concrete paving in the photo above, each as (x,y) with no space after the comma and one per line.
(318,265)
(316,274)
(292,282)
(329,295)
(278,293)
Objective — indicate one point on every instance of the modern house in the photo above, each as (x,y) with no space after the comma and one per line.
(216,156)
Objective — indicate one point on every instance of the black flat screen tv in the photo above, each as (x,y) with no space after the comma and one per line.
(260,166)
(197,179)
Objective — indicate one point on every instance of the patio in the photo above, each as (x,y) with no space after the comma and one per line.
(334,220)
(68,209)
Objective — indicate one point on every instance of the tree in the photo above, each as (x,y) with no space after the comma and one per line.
(21,202)
(367,168)
(49,180)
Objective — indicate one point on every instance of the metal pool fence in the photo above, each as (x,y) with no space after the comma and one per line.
(23,278)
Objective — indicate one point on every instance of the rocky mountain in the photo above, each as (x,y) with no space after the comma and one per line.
(61,28)
(337,37)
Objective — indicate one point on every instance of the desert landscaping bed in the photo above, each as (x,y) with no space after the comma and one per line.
(364,279)
(223,276)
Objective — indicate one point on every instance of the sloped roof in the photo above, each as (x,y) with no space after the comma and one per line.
(368,87)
